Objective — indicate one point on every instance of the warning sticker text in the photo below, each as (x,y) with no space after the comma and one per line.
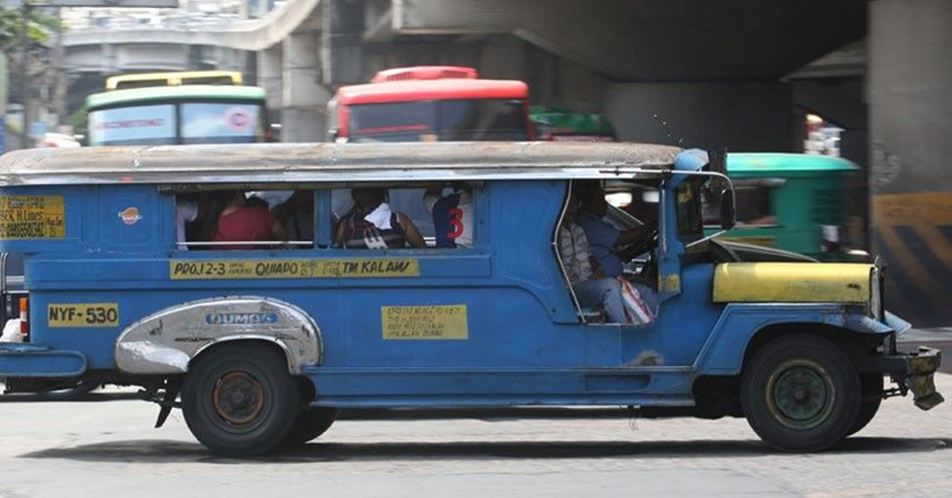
(425,322)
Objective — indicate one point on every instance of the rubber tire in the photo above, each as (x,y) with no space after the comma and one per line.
(872,399)
(282,399)
(310,424)
(839,373)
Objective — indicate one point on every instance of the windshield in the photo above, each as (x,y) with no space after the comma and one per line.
(185,123)
(439,120)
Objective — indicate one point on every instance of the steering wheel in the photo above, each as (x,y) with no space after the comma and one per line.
(645,245)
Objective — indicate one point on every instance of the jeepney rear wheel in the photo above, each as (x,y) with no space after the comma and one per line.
(872,398)
(239,399)
(310,424)
(801,393)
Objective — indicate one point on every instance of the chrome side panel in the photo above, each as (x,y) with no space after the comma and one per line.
(165,342)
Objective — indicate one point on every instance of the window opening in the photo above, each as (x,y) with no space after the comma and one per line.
(239,219)
(608,253)
(381,217)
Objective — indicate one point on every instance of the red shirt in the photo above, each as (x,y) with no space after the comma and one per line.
(245,224)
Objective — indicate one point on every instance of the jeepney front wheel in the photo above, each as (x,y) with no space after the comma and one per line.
(801,393)
(239,399)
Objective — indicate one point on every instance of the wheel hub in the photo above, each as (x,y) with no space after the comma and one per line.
(238,398)
(801,395)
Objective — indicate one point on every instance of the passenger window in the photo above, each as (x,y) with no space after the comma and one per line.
(245,220)
(380,217)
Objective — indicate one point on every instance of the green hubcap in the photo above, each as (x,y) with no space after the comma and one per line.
(800,394)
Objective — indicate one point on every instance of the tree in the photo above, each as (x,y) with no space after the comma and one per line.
(39,26)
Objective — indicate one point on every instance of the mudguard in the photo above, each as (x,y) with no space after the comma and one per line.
(723,353)
(165,342)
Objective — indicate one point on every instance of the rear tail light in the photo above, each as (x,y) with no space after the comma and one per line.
(25,318)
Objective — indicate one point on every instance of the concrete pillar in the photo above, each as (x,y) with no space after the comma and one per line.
(270,66)
(910,104)
(303,98)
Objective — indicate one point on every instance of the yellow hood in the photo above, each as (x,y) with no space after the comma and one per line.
(791,283)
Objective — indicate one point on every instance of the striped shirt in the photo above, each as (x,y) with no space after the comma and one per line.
(575,253)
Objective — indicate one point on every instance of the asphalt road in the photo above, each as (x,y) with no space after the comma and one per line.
(106,450)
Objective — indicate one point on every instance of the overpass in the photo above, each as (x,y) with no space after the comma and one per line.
(732,74)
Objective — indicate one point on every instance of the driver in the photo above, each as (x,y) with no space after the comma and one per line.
(610,245)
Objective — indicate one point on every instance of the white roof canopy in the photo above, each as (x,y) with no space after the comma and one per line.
(326,162)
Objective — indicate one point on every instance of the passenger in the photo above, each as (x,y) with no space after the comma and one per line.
(371,224)
(241,222)
(187,210)
(591,286)
(452,215)
(297,216)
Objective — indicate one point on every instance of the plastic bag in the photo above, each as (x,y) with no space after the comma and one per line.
(11,331)
(639,313)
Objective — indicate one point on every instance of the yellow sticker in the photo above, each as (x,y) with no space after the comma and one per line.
(671,283)
(232,269)
(32,217)
(425,322)
(83,315)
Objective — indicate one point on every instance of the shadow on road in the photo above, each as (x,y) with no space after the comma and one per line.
(162,451)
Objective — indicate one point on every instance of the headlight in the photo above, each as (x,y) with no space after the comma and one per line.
(877,306)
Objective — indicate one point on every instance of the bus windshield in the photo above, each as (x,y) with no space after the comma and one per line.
(177,123)
(439,120)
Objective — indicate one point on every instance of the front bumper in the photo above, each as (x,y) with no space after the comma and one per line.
(921,367)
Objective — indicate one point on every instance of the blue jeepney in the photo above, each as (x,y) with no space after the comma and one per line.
(261,344)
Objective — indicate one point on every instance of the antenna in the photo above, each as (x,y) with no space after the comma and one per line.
(664,126)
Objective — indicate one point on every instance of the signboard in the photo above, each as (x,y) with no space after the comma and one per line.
(32,217)
(239,269)
(150,124)
(449,322)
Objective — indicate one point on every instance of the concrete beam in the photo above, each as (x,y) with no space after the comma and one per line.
(651,40)
(256,34)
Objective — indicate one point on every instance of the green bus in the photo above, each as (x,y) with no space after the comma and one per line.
(794,202)
(558,124)
(186,114)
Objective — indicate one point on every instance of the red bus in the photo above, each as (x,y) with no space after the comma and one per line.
(430,103)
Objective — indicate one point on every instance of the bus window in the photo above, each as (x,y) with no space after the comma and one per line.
(483,119)
(207,123)
(137,125)
(443,120)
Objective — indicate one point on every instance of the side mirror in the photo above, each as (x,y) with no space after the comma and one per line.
(717,161)
(727,209)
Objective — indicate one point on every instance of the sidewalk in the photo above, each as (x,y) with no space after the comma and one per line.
(935,334)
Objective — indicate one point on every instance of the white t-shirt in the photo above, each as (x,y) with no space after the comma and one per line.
(185,211)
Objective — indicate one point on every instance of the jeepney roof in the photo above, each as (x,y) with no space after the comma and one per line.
(328,162)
